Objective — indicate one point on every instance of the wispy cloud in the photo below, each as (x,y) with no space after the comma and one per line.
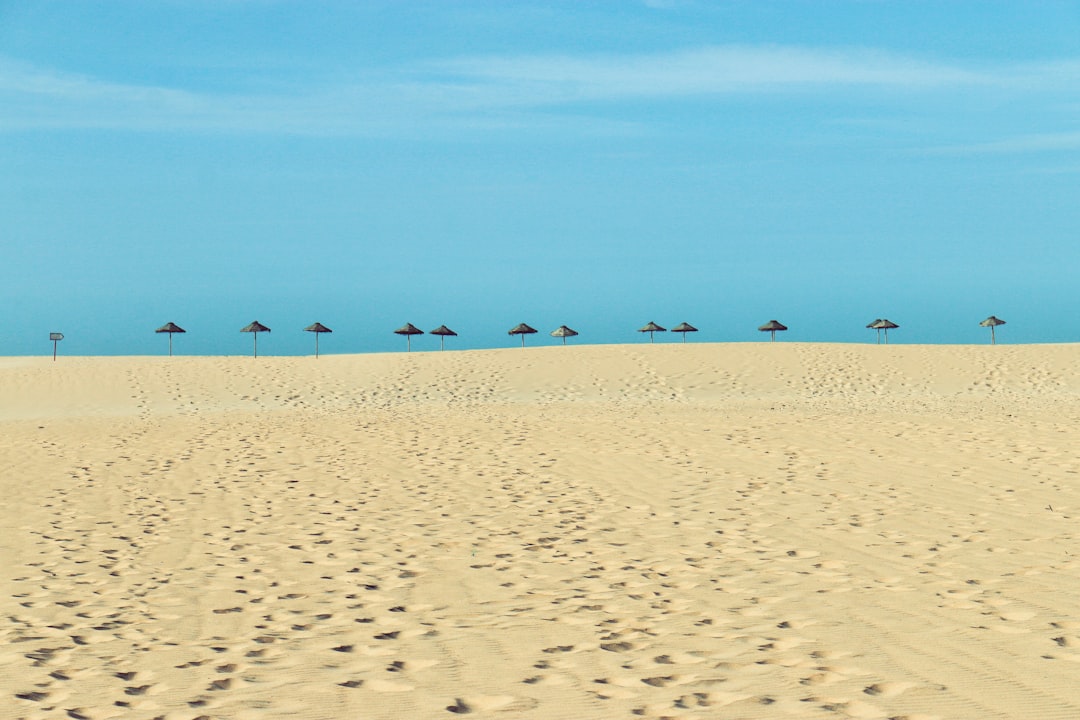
(704,71)
(37,98)
(483,91)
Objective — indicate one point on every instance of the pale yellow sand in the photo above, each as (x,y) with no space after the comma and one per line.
(701,531)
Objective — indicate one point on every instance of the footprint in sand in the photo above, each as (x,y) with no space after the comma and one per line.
(486,703)
(888,689)
(616,647)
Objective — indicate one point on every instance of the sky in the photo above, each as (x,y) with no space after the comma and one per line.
(479,164)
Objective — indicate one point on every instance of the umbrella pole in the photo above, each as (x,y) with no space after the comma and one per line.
(442,342)
(170,344)
(316,346)
(993,341)
(522,339)
(886,336)
(255,336)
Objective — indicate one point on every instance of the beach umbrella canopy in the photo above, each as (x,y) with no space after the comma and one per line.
(317,328)
(883,324)
(443,332)
(522,330)
(170,327)
(563,332)
(684,328)
(772,327)
(408,330)
(992,322)
(255,328)
(651,328)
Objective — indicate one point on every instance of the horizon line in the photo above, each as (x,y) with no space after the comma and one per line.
(551,346)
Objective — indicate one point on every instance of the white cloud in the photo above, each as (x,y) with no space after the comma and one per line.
(705,71)
(487,92)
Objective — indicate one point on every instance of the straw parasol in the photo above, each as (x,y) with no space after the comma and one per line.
(992,322)
(563,332)
(170,327)
(408,330)
(684,328)
(317,328)
(442,331)
(255,328)
(651,328)
(771,327)
(883,324)
(522,330)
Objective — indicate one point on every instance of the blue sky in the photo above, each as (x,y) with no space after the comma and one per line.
(481,164)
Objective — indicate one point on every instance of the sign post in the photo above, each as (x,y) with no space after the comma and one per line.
(55,337)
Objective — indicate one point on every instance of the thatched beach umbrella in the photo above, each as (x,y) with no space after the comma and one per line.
(318,329)
(684,328)
(563,332)
(651,328)
(443,332)
(408,330)
(883,324)
(886,325)
(255,328)
(771,327)
(170,327)
(522,330)
(992,322)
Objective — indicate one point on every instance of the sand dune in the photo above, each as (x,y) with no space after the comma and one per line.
(661,531)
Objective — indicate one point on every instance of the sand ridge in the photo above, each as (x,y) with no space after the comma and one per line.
(749,531)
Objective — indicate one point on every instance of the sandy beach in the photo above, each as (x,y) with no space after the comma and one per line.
(662,531)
